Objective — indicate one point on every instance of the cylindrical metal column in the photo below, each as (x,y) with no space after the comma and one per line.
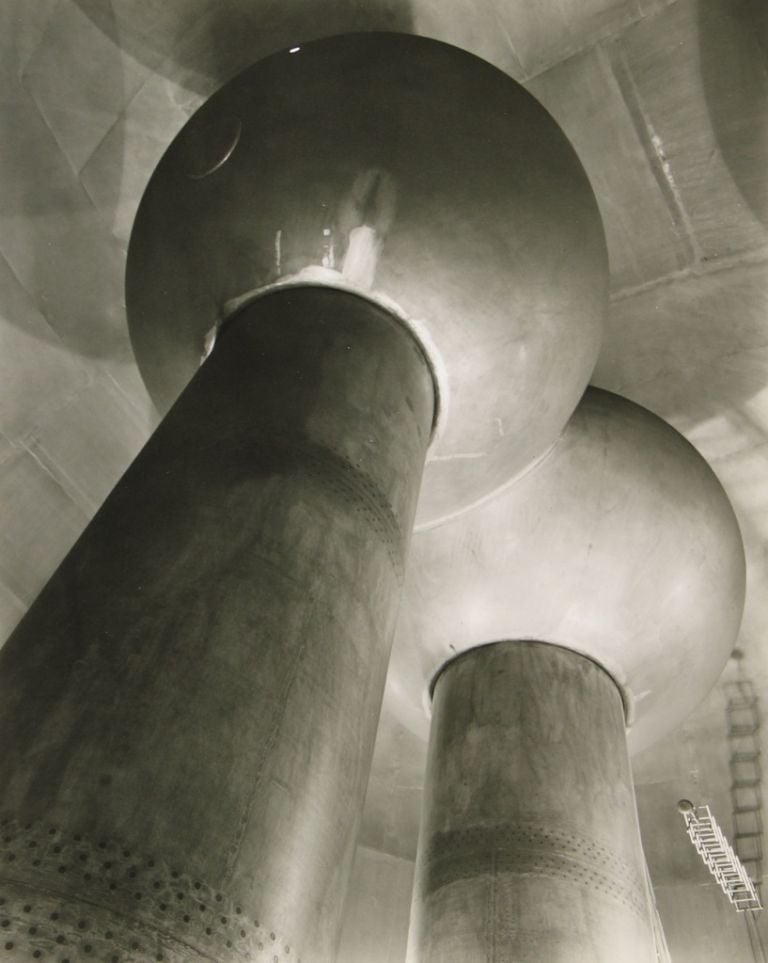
(529,848)
(187,713)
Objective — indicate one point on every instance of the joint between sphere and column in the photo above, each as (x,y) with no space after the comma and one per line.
(529,838)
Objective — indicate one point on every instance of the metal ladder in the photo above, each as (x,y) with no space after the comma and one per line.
(743,716)
(719,857)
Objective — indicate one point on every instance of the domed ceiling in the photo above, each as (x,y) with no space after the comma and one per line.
(665,103)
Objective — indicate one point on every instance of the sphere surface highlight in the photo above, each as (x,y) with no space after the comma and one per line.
(620,545)
(414,173)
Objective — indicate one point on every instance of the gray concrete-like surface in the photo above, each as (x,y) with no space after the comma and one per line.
(188,710)
(529,848)
(377,909)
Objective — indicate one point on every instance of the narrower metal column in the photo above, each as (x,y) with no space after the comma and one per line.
(187,713)
(529,848)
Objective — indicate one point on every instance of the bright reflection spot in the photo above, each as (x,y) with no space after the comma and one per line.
(362,255)
(294,50)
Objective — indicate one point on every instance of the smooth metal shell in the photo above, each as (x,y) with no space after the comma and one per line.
(415,173)
(621,545)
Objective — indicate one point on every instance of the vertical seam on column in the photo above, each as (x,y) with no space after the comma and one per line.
(229,868)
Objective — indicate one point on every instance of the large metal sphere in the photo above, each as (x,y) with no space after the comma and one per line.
(621,545)
(414,173)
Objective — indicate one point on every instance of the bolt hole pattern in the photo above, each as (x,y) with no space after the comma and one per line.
(131,909)
(534,851)
(344,482)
